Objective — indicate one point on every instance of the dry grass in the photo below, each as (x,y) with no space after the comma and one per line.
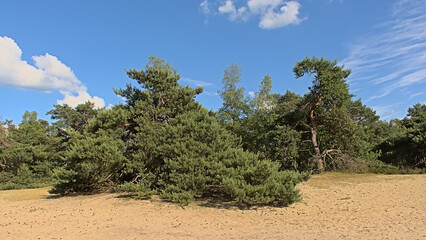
(25,194)
(327,180)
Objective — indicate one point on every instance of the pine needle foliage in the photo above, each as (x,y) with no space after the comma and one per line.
(177,148)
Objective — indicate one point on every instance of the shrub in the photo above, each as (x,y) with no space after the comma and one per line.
(91,162)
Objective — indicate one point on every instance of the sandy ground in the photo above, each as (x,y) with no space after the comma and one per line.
(335,206)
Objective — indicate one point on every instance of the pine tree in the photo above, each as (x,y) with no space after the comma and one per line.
(92,162)
(405,145)
(28,154)
(92,154)
(325,104)
(177,148)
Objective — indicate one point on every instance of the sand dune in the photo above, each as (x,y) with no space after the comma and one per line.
(335,206)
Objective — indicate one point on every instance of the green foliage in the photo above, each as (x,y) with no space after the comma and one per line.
(251,181)
(23,178)
(161,141)
(234,105)
(263,100)
(141,189)
(340,128)
(177,148)
(28,153)
(259,122)
(329,87)
(267,129)
(91,163)
(415,123)
(73,118)
(406,146)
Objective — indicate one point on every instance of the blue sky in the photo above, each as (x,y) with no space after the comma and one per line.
(54,52)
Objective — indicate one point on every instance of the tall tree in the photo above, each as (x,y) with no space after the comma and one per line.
(405,146)
(415,123)
(256,125)
(234,105)
(329,95)
(94,155)
(264,99)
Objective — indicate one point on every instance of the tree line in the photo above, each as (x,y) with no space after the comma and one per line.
(253,150)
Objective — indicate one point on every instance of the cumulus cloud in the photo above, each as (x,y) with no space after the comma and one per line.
(73,99)
(287,14)
(273,13)
(48,74)
(234,13)
(261,6)
(227,7)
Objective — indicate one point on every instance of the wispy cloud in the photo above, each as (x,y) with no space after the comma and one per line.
(199,83)
(205,9)
(387,112)
(211,93)
(204,6)
(394,57)
(272,13)
(196,82)
(417,94)
(48,74)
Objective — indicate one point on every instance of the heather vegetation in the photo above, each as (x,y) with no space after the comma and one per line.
(253,150)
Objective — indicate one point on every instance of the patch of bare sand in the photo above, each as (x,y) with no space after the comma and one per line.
(335,206)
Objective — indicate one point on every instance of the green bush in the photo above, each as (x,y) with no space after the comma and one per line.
(178,148)
(91,163)
(251,181)
(24,178)
(141,189)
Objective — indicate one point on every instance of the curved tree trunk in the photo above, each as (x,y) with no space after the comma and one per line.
(314,139)
(314,136)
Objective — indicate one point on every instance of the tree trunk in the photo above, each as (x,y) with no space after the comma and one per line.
(317,156)
(314,138)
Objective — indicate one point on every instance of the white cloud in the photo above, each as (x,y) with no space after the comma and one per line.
(252,94)
(234,14)
(14,71)
(386,112)
(211,93)
(204,6)
(196,82)
(416,94)
(205,9)
(262,6)
(273,13)
(49,74)
(73,99)
(209,88)
(55,74)
(288,14)
(227,7)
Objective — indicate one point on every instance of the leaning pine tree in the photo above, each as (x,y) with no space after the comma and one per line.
(337,139)
(177,149)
